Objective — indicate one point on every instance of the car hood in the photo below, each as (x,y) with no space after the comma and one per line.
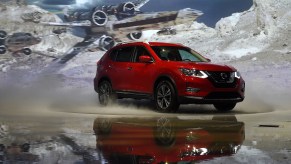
(206,66)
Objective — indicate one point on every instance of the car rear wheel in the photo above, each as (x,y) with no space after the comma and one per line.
(224,106)
(105,93)
(166,97)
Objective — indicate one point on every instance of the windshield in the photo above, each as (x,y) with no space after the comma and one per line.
(172,53)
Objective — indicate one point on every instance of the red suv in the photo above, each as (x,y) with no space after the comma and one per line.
(169,74)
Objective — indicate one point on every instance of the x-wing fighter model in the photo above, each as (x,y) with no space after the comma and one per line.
(17,42)
(109,24)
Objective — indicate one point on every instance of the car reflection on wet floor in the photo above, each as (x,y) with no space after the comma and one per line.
(165,139)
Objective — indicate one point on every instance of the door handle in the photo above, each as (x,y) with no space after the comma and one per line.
(129,68)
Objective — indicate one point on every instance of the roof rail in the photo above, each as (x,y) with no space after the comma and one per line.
(121,43)
(146,42)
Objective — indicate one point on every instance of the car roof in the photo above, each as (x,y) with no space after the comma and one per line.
(151,44)
(165,44)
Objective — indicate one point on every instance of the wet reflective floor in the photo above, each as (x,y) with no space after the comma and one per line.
(115,139)
(71,131)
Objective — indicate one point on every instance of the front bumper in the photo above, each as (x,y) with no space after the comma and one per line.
(203,91)
(206,100)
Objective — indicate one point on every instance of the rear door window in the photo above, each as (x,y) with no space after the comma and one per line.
(124,54)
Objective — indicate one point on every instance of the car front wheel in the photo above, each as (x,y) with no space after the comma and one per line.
(166,97)
(105,93)
(164,132)
(224,106)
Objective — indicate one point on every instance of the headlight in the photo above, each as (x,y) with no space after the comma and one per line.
(193,72)
(237,74)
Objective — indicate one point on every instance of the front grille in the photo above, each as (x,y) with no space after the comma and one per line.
(223,95)
(222,79)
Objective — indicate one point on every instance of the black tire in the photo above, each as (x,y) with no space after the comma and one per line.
(3,49)
(27,51)
(3,35)
(105,93)
(223,107)
(166,97)
(164,132)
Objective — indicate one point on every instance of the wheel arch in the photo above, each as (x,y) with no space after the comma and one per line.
(104,78)
(164,77)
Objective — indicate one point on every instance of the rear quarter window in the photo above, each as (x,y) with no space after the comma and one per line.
(113,54)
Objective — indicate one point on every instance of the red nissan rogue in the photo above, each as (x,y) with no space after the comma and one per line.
(169,74)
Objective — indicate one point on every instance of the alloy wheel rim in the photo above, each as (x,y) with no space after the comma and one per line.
(164,129)
(164,96)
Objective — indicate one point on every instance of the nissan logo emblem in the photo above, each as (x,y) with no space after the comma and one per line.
(223,76)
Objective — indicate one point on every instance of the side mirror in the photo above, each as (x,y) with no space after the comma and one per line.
(145,59)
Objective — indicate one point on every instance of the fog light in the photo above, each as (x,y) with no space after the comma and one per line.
(189,89)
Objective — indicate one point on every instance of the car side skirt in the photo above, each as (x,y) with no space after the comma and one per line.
(133,95)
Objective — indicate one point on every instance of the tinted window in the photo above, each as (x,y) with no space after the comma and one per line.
(173,53)
(124,54)
(188,56)
(140,51)
(113,54)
